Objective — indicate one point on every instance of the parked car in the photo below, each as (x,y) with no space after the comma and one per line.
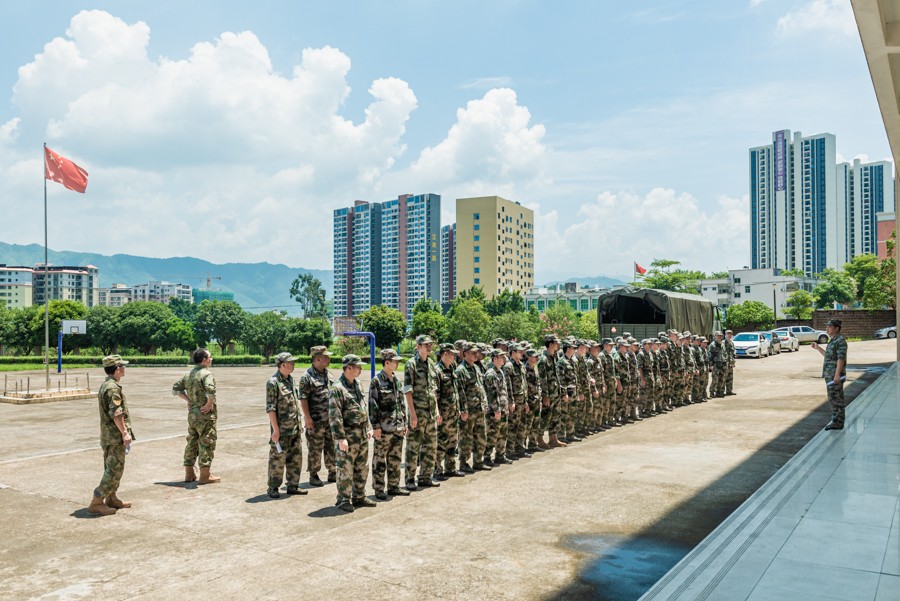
(774,341)
(890,332)
(806,334)
(789,342)
(751,344)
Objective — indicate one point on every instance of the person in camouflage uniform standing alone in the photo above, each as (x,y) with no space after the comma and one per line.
(449,408)
(473,406)
(116,437)
(553,392)
(285,446)
(198,389)
(518,388)
(420,388)
(387,414)
(315,385)
(348,417)
(834,371)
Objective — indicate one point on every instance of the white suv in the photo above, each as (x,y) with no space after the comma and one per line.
(805,333)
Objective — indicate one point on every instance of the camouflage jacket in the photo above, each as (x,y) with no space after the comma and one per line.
(568,379)
(549,377)
(515,376)
(836,350)
(718,356)
(348,413)
(497,390)
(697,353)
(582,375)
(662,362)
(471,385)
(688,359)
(448,392)
(314,388)
(198,385)
(420,379)
(533,380)
(644,365)
(676,361)
(281,398)
(387,406)
(631,359)
(730,351)
(595,368)
(112,403)
(609,370)
(623,373)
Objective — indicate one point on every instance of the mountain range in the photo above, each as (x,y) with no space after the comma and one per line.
(256,286)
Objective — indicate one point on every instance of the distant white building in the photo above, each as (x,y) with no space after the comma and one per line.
(571,293)
(161,292)
(80,284)
(767,286)
(116,295)
(16,285)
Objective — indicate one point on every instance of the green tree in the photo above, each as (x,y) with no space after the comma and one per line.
(427,318)
(142,326)
(512,326)
(587,325)
(795,272)
(103,328)
(388,325)
(881,290)
(861,268)
(184,310)
(265,333)
(18,333)
(177,335)
(469,321)
(505,302)
(837,287)
(307,290)
(221,321)
(58,311)
(799,305)
(661,276)
(560,319)
(303,334)
(475,293)
(750,313)
(719,275)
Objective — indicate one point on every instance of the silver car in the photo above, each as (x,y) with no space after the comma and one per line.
(890,332)
(805,333)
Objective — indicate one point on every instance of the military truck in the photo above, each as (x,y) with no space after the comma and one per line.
(644,312)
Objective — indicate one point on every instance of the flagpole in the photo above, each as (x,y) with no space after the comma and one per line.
(46,283)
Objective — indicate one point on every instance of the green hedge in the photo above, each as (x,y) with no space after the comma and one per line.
(137,360)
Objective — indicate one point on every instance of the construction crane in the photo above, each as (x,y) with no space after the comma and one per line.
(209,278)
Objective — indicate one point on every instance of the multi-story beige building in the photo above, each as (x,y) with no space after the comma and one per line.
(15,286)
(494,245)
(80,284)
(116,295)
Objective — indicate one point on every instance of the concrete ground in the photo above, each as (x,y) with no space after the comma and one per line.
(601,519)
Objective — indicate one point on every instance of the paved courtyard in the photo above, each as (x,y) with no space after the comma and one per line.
(533,530)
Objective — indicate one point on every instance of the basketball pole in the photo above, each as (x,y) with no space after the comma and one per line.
(46,283)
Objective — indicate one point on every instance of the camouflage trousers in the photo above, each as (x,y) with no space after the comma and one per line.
(551,417)
(352,465)
(113,468)
(386,459)
(717,380)
(498,431)
(529,426)
(448,442)
(729,378)
(421,449)
(836,398)
(472,436)
(516,436)
(607,401)
(562,411)
(706,380)
(649,397)
(577,409)
(319,441)
(201,437)
(662,394)
(288,464)
(697,392)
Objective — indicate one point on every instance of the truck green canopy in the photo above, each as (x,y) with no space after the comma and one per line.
(646,311)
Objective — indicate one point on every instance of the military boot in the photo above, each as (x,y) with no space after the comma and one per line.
(206,477)
(115,502)
(555,442)
(190,475)
(98,508)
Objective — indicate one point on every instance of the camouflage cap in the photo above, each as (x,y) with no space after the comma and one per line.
(532,353)
(389,354)
(645,341)
(594,343)
(582,342)
(729,332)
(113,361)
(514,347)
(469,347)
(654,341)
(349,360)
(497,353)
(664,340)
(621,342)
(319,350)
(498,342)
(626,335)
(446,347)
(483,348)
(550,339)
(834,322)
(460,344)
(632,341)
(686,333)
(285,358)
(717,333)
(671,331)
(661,335)
(424,339)
(606,341)
(703,339)
(567,345)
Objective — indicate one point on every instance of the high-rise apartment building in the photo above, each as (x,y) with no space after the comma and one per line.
(66,283)
(16,286)
(386,253)
(808,212)
(448,263)
(161,292)
(494,245)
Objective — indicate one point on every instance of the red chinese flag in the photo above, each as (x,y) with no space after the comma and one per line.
(639,270)
(62,170)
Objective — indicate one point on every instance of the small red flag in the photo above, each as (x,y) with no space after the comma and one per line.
(638,269)
(62,170)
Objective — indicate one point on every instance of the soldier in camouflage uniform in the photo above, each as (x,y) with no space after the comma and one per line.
(634,388)
(689,367)
(533,401)
(198,389)
(676,369)
(657,376)
(578,419)
(473,406)
(718,359)
(116,437)
(623,375)
(729,368)
(553,391)
(663,358)
(315,385)
(645,377)
(449,408)
(568,381)
(608,406)
(420,387)
(598,389)
(387,414)
(834,372)
(518,388)
(348,417)
(285,445)
(704,373)
(497,389)
(699,371)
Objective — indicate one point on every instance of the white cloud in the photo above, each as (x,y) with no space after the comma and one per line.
(486,83)
(820,15)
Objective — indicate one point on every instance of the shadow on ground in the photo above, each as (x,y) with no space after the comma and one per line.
(622,568)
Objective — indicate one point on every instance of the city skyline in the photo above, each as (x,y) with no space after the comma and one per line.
(625,120)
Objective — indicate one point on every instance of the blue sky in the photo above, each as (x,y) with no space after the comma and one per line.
(230,130)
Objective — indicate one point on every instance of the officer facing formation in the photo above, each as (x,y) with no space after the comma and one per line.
(116,437)
(198,389)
